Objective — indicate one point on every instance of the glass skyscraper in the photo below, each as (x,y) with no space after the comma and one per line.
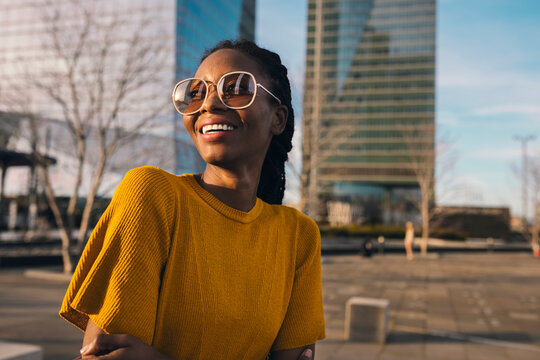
(185,28)
(369,104)
(199,26)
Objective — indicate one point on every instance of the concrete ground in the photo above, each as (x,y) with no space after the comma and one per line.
(456,306)
(29,314)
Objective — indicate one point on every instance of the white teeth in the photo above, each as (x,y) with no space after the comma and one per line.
(216,127)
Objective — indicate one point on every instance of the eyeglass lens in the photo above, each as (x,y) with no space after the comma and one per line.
(235,90)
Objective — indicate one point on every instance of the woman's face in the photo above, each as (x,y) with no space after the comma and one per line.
(245,139)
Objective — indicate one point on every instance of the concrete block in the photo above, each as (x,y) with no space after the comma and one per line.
(17,351)
(366,319)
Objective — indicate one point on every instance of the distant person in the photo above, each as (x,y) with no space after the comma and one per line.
(380,241)
(367,248)
(209,265)
(409,239)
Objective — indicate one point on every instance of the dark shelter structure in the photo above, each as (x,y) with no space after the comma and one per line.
(10,158)
(473,222)
(10,128)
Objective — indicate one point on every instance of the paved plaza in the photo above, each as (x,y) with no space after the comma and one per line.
(457,306)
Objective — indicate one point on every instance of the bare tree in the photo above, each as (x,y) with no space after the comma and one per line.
(430,161)
(14,99)
(528,172)
(320,149)
(108,69)
(534,170)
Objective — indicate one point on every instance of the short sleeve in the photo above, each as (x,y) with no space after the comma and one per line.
(304,320)
(117,280)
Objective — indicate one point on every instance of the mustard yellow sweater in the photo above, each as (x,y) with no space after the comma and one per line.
(172,265)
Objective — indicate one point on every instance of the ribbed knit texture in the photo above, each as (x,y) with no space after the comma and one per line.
(172,265)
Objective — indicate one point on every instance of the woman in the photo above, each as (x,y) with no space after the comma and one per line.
(409,239)
(202,266)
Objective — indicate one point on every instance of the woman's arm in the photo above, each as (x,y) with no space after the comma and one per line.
(92,331)
(96,341)
(99,345)
(301,353)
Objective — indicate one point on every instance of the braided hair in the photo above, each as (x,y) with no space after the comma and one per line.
(272,181)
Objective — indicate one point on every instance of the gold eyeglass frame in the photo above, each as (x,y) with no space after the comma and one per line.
(217,87)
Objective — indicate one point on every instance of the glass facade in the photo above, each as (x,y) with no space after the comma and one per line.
(36,80)
(369,101)
(185,27)
(199,26)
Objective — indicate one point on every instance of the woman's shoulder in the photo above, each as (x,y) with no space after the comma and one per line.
(293,214)
(307,237)
(145,192)
(151,174)
(155,183)
(145,181)
(147,173)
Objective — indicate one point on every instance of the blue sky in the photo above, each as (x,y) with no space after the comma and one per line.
(488,88)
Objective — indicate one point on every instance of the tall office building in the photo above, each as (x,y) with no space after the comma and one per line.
(199,26)
(185,28)
(369,102)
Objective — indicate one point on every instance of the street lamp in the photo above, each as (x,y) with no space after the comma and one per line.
(524,173)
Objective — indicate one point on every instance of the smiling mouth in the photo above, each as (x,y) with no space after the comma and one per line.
(208,129)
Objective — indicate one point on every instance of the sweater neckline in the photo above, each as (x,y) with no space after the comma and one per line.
(225,210)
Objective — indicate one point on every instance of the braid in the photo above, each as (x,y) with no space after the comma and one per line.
(272,182)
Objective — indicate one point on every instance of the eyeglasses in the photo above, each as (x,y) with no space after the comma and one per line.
(236,90)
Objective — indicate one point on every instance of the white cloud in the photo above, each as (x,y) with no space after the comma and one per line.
(448,118)
(509,109)
(499,153)
(470,76)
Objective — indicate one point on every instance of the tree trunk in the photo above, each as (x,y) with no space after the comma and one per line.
(425,225)
(74,195)
(535,244)
(90,203)
(536,226)
(66,256)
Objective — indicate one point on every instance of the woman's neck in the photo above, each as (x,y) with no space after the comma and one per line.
(237,189)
